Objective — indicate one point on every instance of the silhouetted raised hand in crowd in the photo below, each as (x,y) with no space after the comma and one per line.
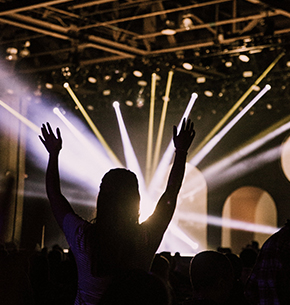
(115,241)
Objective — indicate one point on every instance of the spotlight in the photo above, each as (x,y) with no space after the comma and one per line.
(187,22)
(142,83)
(66,72)
(48,86)
(106,92)
(122,77)
(208,93)
(116,104)
(228,64)
(137,73)
(11,53)
(66,85)
(256,88)
(169,28)
(247,74)
(140,102)
(187,66)
(24,52)
(244,58)
(201,80)
(129,103)
(92,79)
(140,99)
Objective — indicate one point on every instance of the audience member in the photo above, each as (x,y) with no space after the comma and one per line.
(237,293)
(212,278)
(269,282)
(115,241)
(136,287)
(15,287)
(248,257)
(161,268)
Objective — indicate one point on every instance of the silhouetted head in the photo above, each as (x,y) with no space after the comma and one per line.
(119,197)
(135,286)
(211,276)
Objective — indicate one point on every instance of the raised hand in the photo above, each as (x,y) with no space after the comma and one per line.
(52,143)
(183,140)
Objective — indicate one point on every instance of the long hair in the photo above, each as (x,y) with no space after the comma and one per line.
(112,237)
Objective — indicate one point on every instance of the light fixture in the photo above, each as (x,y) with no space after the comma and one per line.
(106,92)
(11,53)
(247,74)
(208,93)
(12,50)
(116,104)
(142,83)
(140,99)
(228,63)
(187,22)
(48,85)
(187,66)
(169,28)
(122,77)
(66,72)
(24,52)
(129,103)
(137,73)
(244,58)
(92,79)
(201,80)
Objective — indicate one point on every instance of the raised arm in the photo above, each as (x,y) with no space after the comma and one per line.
(59,204)
(167,203)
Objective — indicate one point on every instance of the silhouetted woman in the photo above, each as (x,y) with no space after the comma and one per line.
(115,242)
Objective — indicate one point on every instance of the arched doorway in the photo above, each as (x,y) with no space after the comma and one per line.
(249,213)
(285,157)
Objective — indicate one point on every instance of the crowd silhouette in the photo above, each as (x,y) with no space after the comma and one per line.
(113,259)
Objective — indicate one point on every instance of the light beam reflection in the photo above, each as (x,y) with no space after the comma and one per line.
(229,223)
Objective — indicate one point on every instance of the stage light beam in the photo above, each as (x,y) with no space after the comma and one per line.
(162,121)
(20,117)
(150,129)
(92,125)
(213,142)
(161,170)
(236,106)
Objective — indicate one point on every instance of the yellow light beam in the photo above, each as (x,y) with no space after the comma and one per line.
(235,107)
(93,126)
(162,121)
(20,117)
(150,128)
